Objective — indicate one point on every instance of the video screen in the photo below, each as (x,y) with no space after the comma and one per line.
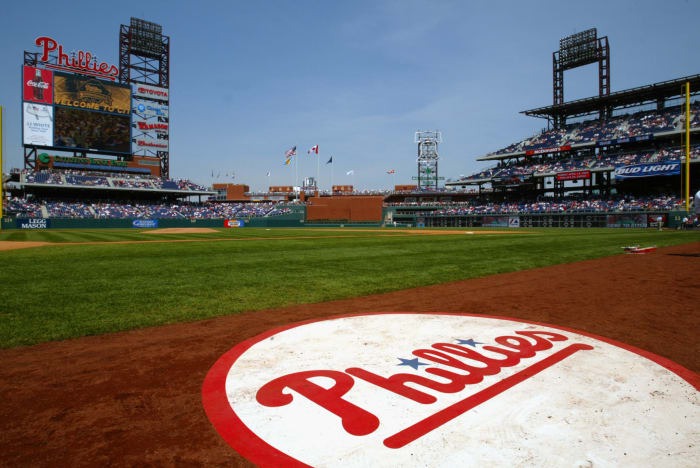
(90,93)
(96,131)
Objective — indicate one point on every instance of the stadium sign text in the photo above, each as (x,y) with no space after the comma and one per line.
(33,223)
(423,389)
(574,175)
(80,62)
(548,150)
(648,170)
(46,159)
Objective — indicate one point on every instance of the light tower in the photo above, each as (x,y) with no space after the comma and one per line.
(428,158)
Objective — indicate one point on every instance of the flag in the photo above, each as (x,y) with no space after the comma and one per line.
(289,159)
(314,149)
(330,160)
(390,171)
(350,172)
(268,174)
(291,152)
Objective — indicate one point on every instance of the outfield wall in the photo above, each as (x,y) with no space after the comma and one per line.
(286,220)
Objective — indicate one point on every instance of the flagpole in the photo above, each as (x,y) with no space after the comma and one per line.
(318,173)
(296,171)
(332,176)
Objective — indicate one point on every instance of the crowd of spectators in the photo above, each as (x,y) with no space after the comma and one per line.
(567,205)
(629,125)
(527,167)
(70,209)
(96,179)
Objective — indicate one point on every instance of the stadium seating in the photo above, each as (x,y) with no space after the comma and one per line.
(629,125)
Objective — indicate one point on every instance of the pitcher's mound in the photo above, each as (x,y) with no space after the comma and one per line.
(180,230)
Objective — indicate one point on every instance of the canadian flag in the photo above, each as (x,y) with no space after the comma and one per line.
(314,149)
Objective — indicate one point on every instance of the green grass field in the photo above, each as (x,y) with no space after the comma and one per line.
(65,291)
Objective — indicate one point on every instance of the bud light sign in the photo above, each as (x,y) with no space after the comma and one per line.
(145,223)
(667,168)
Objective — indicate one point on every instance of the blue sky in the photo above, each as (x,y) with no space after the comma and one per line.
(251,79)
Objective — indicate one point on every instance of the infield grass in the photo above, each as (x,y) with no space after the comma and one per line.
(65,291)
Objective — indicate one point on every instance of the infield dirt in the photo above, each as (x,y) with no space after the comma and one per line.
(134,398)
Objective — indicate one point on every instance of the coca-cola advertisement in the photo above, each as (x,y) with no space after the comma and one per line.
(37,85)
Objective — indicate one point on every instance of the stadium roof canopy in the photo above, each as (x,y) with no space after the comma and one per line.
(633,97)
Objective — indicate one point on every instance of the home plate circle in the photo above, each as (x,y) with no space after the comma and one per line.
(406,389)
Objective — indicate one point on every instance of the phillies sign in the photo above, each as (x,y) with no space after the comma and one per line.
(407,389)
(80,62)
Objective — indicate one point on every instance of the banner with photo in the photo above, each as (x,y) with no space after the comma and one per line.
(37,85)
(37,124)
(151,92)
(91,94)
(92,131)
(149,109)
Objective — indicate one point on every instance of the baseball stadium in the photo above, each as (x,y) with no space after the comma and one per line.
(540,311)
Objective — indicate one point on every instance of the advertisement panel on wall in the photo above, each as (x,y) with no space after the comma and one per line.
(574,175)
(91,94)
(92,131)
(147,110)
(495,221)
(37,85)
(145,223)
(151,92)
(666,168)
(626,221)
(234,223)
(142,143)
(32,223)
(38,124)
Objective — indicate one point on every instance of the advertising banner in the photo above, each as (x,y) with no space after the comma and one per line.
(92,131)
(574,175)
(147,126)
(618,141)
(91,94)
(495,221)
(37,85)
(514,222)
(548,150)
(145,143)
(630,220)
(234,223)
(151,92)
(32,223)
(667,168)
(145,223)
(147,110)
(38,124)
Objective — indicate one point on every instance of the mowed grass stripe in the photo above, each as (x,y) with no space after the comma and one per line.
(66,291)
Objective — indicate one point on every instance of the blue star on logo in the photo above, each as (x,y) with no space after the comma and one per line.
(469,342)
(411,362)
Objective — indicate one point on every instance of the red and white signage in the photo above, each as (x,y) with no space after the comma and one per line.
(574,175)
(450,390)
(548,150)
(142,143)
(37,85)
(79,62)
(151,92)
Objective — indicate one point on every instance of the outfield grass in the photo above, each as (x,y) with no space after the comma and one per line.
(66,291)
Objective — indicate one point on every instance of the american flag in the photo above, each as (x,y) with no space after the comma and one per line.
(390,171)
(291,152)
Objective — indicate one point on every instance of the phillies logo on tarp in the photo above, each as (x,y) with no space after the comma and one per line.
(442,390)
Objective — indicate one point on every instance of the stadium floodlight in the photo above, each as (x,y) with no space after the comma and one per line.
(578,49)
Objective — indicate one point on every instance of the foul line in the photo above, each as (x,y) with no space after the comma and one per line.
(436,420)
